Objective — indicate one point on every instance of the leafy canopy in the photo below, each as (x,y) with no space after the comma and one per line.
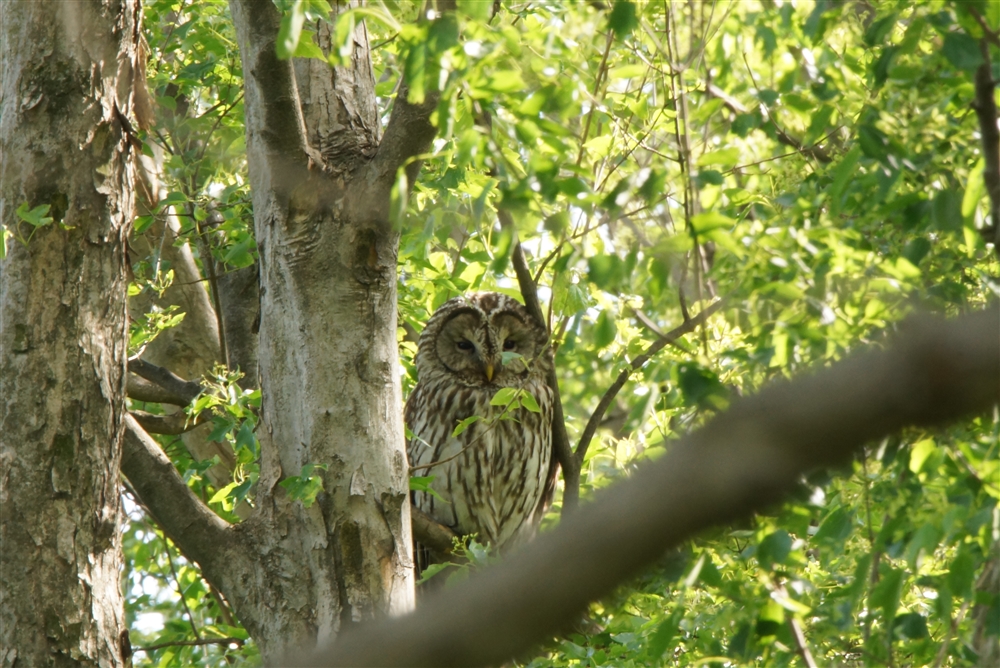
(817,163)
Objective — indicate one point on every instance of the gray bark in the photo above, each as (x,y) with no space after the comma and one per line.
(66,86)
(327,356)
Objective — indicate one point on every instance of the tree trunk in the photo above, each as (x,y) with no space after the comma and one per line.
(322,179)
(328,360)
(66,88)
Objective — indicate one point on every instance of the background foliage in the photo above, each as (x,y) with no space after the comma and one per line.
(816,163)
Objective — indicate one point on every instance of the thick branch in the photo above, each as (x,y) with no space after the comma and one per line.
(192,526)
(436,537)
(637,363)
(745,459)
(276,94)
(171,425)
(140,389)
(409,131)
(180,389)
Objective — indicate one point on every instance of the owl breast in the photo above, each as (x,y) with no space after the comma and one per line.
(492,476)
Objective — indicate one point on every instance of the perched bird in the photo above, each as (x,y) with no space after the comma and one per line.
(495,474)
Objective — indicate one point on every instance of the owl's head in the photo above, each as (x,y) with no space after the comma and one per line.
(467,337)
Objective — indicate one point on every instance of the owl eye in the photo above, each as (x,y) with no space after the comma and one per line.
(509,344)
(465,345)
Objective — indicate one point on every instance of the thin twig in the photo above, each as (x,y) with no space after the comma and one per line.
(986,111)
(191,643)
(560,439)
(180,590)
(952,629)
(637,363)
(602,69)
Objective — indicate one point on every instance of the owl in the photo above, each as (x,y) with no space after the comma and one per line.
(495,474)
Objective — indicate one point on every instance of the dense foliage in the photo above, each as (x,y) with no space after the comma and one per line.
(817,164)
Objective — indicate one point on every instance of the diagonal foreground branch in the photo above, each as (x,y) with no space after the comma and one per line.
(200,534)
(743,460)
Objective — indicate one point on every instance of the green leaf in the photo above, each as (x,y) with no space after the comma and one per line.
(604,271)
(774,549)
(461,427)
(911,625)
(290,30)
(605,330)
(433,570)
(962,573)
(878,30)
(885,595)
(414,67)
(726,158)
(505,81)
(710,220)
(36,217)
(423,484)
(306,48)
(836,526)
(962,51)
(478,10)
(623,18)
(974,190)
(843,173)
(662,639)
(920,453)
(141,223)
(504,396)
(221,495)
(529,402)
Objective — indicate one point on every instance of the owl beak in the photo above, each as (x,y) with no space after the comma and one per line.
(489,372)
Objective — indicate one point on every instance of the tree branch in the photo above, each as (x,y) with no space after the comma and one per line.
(172,425)
(140,389)
(199,533)
(409,131)
(986,111)
(745,459)
(436,537)
(191,643)
(177,387)
(560,439)
(273,92)
(637,363)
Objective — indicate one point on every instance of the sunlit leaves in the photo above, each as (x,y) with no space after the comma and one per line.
(816,164)
(307,485)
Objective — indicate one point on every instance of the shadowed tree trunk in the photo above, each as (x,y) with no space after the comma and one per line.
(66,88)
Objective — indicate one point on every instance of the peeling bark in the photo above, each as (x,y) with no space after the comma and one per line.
(66,88)
(327,347)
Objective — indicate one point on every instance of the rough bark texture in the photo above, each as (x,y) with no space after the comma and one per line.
(66,83)
(327,356)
